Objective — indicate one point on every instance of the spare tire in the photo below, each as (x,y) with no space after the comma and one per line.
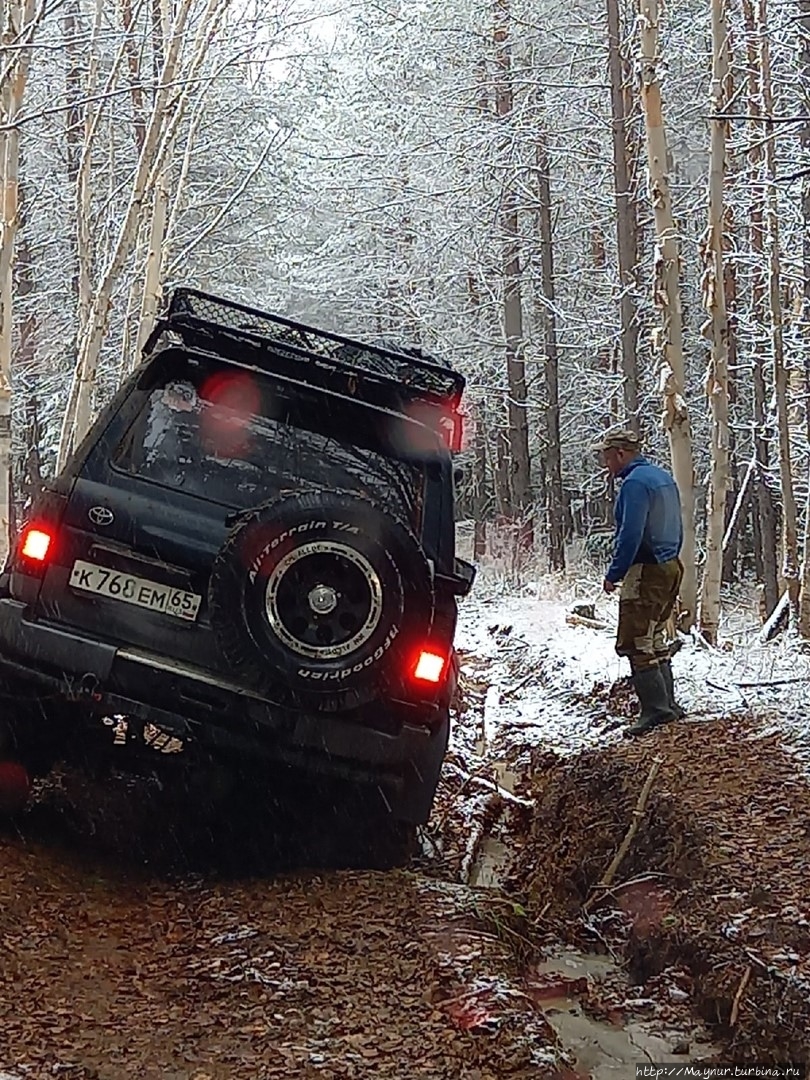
(321,598)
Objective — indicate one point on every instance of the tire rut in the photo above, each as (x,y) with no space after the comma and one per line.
(140,942)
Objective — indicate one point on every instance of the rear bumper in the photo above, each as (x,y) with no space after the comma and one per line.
(217,715)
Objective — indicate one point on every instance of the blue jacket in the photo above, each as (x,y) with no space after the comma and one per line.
(648,518)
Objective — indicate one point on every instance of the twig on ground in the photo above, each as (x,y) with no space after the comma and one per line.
(729,690)
(542,913)
(581,620)
(720,686)
(638,880)
(485,780)
(607,890)
(467,778)
(735,1008)
(514,644)
(774,682)
(593,929)
(510,690)
(771,970)
(638,814)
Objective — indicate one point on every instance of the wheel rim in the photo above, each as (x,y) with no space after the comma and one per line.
(324,600)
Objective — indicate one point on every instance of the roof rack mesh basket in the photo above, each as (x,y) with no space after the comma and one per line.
(419,377)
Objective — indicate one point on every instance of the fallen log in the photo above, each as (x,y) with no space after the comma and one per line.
(624,847)
(581,620)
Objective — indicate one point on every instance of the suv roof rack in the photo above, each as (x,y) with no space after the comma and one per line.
(377,373)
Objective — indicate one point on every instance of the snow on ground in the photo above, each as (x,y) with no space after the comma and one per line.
(532,660)
(546,680)
(717,874)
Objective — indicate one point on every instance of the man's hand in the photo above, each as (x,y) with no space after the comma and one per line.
(609,586)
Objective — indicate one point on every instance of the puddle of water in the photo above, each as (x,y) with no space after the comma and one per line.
(601,1050)
(576,965)
(491,861)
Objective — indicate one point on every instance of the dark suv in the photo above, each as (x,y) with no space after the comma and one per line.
(252,551)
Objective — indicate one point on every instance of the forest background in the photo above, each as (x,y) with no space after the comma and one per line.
(598,210)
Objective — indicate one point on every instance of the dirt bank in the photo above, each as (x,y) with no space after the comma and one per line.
(714,888)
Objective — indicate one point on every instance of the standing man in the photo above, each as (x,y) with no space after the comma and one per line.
(649,535)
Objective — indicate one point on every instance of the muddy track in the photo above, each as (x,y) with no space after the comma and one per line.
(708,914)
(145,934)
(138,942)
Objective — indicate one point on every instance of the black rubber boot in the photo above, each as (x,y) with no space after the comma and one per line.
(651,690)
(669,682)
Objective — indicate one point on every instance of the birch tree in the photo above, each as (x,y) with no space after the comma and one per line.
(157,220)
(790,536)
(669,337)
(168,109)
(16,30)
(716,329)
(804,52)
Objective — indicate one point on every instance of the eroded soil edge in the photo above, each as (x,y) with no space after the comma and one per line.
(711,900)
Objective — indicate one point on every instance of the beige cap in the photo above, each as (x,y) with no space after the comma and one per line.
(619,439)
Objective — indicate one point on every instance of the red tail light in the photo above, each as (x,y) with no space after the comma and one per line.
(35,544)
(429,667)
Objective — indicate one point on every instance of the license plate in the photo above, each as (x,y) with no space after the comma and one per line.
(135,590)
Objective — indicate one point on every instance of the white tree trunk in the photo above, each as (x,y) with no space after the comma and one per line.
(134,302)
(161,127)
(159,217)
(669,338)
(627,228)
(804,25)
(154,259)
(84,238)
(18,18)
(790,531)
(716,329)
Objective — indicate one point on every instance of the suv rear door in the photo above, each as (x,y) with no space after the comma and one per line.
(194,444)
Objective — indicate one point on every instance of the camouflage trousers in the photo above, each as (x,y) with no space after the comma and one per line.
(646,602)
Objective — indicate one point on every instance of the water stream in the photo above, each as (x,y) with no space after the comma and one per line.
(558,986)
(603,1051)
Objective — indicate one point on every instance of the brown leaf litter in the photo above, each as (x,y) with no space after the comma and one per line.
(107,974)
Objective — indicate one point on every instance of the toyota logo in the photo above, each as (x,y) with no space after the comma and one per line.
(100,515)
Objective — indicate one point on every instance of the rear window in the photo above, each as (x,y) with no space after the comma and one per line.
(234,438)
